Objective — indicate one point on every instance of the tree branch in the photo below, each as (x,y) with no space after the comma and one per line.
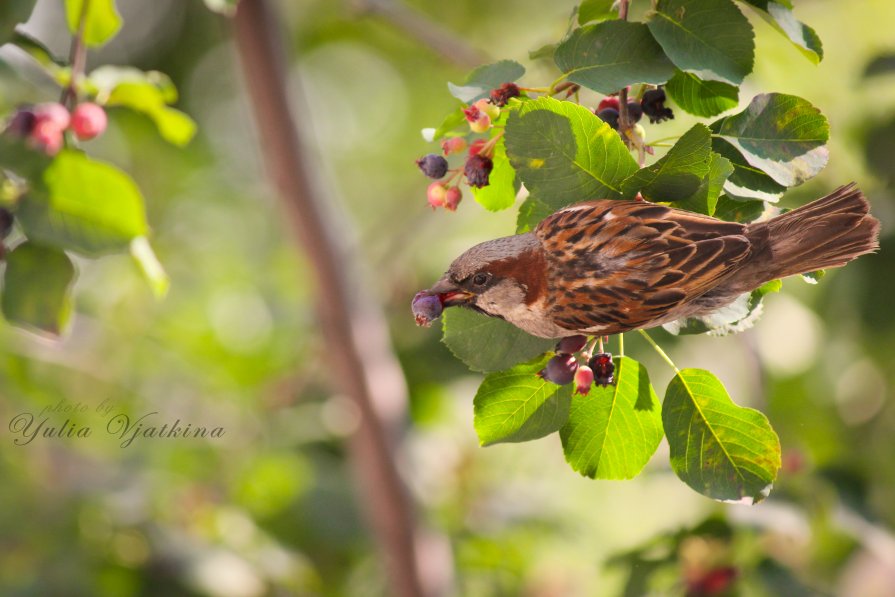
(357,351)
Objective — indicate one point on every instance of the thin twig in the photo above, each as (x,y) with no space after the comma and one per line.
(77,58)
(624,118)
(359,356)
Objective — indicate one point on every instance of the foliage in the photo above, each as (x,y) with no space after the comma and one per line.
(563,153)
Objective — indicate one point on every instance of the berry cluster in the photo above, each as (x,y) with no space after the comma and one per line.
(477,166)
(563,368)
(652,104)
(44,125)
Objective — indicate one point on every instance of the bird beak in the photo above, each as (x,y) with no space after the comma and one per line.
(449,293)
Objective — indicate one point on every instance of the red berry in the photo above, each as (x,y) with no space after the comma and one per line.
(435,194)
(715,582)
(571,344)
(453,145)
(476,146)
(452,198)
(478,170)
(603,368)
(560,369)
(426,308)
(433,166)
(88,121)
(53,112)
(584,379)
(47,137)
(501,95)
(608,102)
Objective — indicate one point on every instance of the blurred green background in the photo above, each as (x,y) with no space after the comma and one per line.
(269,508)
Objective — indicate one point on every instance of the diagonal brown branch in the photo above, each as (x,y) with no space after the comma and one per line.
(357,351)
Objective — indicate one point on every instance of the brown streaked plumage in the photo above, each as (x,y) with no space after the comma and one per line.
(608,266)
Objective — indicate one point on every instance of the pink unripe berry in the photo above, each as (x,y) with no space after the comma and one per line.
(452,198)
(481,124)
(435,194)
(453,145)
(476,146)
(584,379)
(53,112)
(485,106)
(47,137)
(88,121)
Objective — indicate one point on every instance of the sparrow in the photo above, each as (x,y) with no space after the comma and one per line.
(608,266)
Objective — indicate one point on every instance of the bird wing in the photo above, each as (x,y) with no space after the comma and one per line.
(615,265)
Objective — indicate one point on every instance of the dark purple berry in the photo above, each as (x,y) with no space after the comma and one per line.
(433,166)
(635,112)
(571,344)
(501,95)
(426,308)
(603,368)
(653,104)
(560,369)
(22,122)
(5,222)
(584,379)
(609,116)
(478,170)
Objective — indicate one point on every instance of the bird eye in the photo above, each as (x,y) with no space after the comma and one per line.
(480,279)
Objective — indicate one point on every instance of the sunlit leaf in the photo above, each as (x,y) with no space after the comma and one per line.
(37,288)
(709,38)
(482,80)
(486,343)
(150,266)
(780,16)
(531,212)
(100,17)
(679,173)
(613,431)
(516,405)
(746,181)
(89,206)
(702,98)
(722,450)
(608,56)
(596,10)
(782,135)
(564,153)
(500,192)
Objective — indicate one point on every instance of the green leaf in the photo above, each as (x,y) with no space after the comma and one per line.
(101,20)
(613,431)
(13,12)
(783,135)
(883,64)
(544,52)
(17,156)
(482,80)
(531,212)
(722,450)
(709,38)
(173,125)
(224,7)
(738,210)
(746,182)
(149,266)
(705,199)
(454,120)
(596,10)
(701,98)
(488,344)
(88,206)
(679,173)
(37,288)
(38,51)
(608,56)
(780,16)
(500,193)
(518,406)
(814,277)
(564,153)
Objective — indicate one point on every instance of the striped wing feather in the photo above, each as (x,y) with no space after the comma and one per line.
(618,265)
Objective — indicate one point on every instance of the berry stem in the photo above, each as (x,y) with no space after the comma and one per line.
(600,343)
(78,59)
(661,352)
(487,149)
(621,344)
(552,89)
